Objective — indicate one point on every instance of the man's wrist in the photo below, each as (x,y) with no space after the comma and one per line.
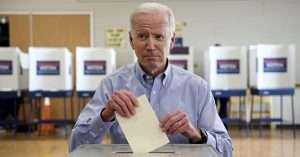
(200,139)
(106,115)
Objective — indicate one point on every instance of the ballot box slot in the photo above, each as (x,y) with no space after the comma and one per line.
(127,152)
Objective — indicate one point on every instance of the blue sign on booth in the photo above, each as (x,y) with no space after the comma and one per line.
(48,68)
(228,66)
(95,67)
(275,64)
(6,67)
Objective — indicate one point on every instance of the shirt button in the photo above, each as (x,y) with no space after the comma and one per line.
(154,92)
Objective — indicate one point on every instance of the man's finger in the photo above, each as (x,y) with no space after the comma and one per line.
(182,121)
(122,105)
(117,108)
(127,101)
(132,98)
(164,121)
(172,119)
(169,115)
(181,129)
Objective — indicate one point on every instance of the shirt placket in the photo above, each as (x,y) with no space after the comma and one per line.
(154,95)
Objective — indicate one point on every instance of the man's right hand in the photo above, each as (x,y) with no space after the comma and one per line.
(123,102)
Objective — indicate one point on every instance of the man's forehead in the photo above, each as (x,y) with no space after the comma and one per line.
(162,29)
(155,23)
(151,17)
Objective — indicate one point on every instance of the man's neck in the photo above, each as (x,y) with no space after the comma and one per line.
(154,72)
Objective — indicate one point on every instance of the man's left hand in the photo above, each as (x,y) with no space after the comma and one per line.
(178,122)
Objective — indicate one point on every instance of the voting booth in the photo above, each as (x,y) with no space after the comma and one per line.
(226,67)
(92,65)
(226,72)
(182,57)
(9,69)
(50,76)
(10,76)
(50,69)
(272,73)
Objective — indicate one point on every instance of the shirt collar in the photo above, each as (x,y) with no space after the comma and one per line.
(142,75)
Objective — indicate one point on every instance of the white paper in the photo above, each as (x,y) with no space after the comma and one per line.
(142,130)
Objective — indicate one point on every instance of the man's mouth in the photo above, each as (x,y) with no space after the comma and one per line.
(151,58)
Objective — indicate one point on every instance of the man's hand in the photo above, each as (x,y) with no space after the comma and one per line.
(178,122)
(122,102)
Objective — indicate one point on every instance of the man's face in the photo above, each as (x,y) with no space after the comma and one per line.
(151,39)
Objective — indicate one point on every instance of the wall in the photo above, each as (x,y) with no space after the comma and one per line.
(230,22)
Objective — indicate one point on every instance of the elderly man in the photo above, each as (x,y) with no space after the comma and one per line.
(181,100)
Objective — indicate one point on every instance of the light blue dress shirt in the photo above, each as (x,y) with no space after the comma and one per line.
(175,89)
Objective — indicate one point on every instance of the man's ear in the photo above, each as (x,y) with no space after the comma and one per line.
(130,40)
(173,40)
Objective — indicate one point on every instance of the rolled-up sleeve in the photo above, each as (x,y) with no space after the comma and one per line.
(210,122)
(90,128)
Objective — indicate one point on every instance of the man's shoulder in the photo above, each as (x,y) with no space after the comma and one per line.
(123,72)
(186,75)
(189,79)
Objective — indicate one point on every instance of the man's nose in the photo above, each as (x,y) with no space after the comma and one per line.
(150,44)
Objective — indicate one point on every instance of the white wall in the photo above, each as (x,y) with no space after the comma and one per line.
(230,22)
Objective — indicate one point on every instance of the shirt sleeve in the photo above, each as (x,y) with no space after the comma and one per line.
(90,128)
(210,122)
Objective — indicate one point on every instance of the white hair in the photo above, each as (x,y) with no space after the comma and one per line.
(154,7)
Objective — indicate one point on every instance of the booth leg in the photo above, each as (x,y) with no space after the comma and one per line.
(281,114)
(260,115)
(293,116)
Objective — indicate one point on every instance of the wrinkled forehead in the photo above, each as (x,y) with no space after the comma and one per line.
(151,18)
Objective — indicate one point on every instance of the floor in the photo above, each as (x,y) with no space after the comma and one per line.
(270,144)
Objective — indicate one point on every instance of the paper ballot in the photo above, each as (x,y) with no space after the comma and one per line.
(142,130)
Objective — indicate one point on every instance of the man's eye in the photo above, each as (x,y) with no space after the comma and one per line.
(142,36)
(159,37)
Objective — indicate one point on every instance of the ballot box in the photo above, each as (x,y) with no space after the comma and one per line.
(92,65)
(272,66)
(9,69)
(182,57)
(170,150)
(50,69)
(226,67)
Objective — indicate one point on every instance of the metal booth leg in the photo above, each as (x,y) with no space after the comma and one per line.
(72,109)
(281,114)
(293,116)
(240,113)
(15,118)
(40,120)
(78,107)
(260,115)
(245,111)
(251,112)
(65,117)
(30,121)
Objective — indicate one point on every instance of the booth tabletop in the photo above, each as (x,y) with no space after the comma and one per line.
(229,93)
(269,92)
